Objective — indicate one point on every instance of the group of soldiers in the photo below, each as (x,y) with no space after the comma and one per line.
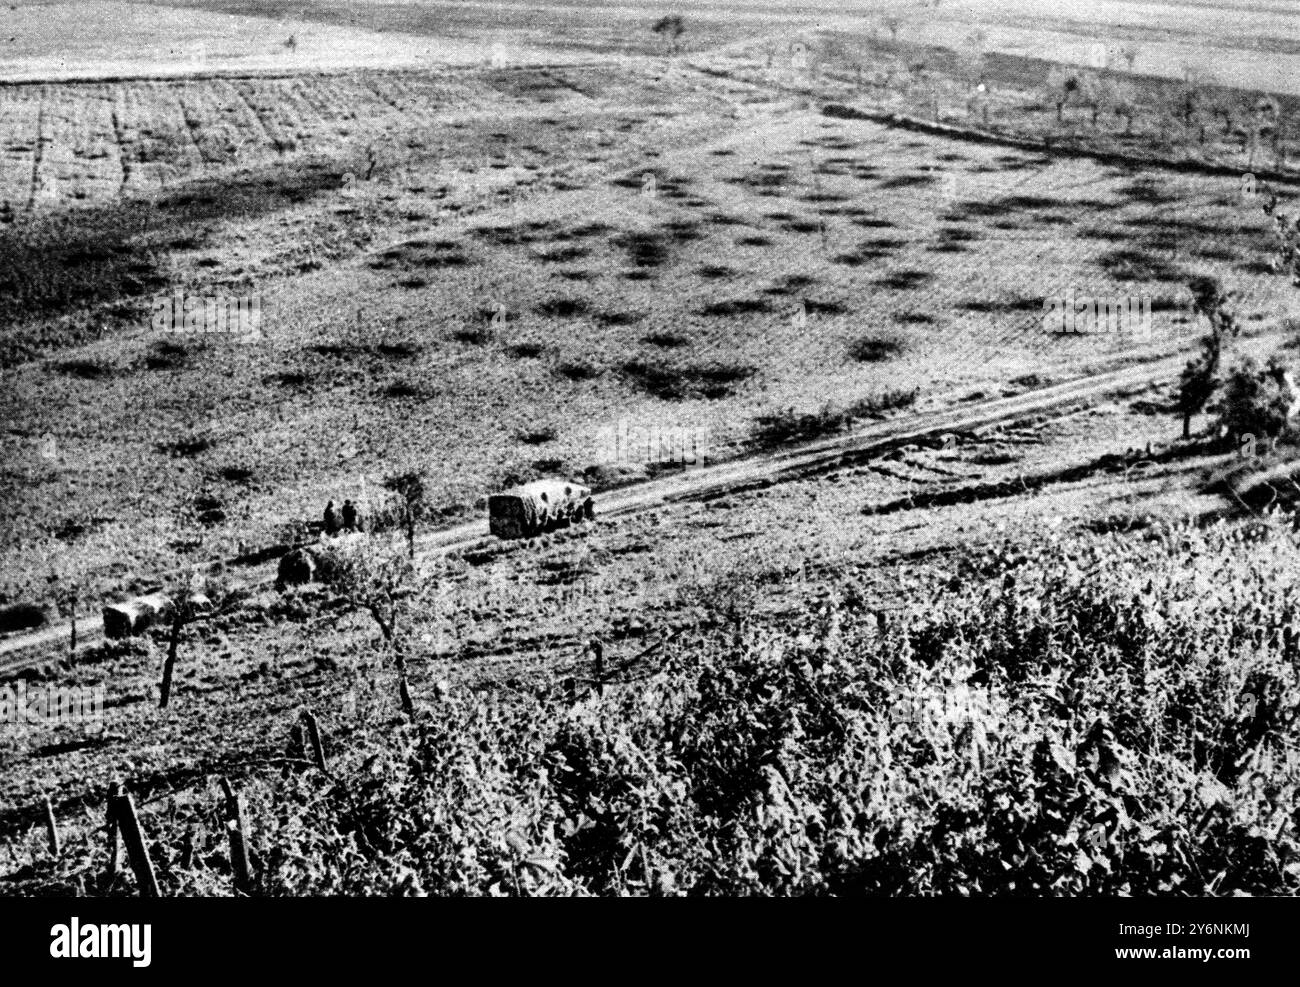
(351,522)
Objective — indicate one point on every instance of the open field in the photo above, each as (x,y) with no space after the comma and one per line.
(116,38)
(483,235)
(682,306)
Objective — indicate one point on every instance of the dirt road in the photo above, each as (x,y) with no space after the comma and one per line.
(24,650)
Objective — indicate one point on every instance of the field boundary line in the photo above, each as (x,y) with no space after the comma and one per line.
(302,73)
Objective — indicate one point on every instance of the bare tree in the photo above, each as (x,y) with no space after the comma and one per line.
(1199,381)
(381,586)
(67,593)
(1192,102)
(1286,245)
(1062,84)
(1094,92)
(925,82)
(197,599)
(971,63)
(670,28)
(409,488)
(1263,124)
(1279,141)
(1123,103)
(1199,378)
(66,586)
(1235,117)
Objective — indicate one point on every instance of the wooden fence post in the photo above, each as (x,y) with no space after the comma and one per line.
(313,736)
(599,648)
(238,840)
(137,853)
(187,849)
(173,644)
(110,871)
(51,827)
(404,691)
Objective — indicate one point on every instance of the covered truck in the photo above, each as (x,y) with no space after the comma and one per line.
(538,507)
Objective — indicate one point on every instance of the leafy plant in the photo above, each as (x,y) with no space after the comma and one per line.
(1199,378)
(1256,401)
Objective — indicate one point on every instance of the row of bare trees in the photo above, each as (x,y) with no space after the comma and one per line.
(1197,110)
(1192,112)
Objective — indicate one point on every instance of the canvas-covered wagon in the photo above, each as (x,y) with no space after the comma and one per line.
(538,507)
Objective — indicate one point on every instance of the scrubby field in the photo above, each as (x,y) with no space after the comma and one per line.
(1054,655)
(705,266)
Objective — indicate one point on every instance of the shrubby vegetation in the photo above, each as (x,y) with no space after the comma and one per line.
(788,424)
(1252,401)
(1066,716)
(1256,401)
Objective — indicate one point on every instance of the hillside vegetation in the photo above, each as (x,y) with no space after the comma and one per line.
(1093,715)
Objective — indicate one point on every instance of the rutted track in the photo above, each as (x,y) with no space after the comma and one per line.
(21,651)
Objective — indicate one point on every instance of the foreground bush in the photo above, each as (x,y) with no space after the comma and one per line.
(1107,718)
(1256,401)
(1079,716)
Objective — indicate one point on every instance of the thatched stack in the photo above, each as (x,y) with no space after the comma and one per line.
(135,616)
(298,567)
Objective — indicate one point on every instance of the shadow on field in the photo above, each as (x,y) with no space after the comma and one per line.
(1032,483)
(112,259)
